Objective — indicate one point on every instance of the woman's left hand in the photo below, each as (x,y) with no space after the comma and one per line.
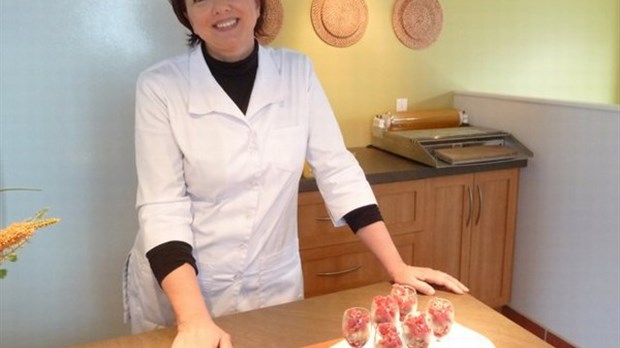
(421,279)
(377,238)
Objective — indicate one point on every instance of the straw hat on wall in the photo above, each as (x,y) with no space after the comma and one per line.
(417,23)
(272,21)
(339,23)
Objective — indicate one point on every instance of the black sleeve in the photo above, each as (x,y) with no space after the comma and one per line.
(363,216)
(169,256)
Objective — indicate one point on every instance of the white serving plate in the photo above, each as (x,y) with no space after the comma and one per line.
(459,337)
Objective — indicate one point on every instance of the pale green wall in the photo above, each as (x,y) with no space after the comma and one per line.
(553,49)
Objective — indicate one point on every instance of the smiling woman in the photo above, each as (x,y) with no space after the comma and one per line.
(222,132)
(267,24)
(227,27)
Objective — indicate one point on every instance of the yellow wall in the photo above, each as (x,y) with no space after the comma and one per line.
(553,49)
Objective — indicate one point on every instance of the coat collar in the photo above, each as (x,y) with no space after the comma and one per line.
(206,96)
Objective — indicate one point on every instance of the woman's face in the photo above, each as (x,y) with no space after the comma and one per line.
(226,26)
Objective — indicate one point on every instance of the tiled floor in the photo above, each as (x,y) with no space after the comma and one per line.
(535,328)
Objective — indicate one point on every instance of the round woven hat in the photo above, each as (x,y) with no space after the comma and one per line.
(417,23)
(339,23)
(273,16)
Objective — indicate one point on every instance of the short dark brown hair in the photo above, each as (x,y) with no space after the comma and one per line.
(178,6)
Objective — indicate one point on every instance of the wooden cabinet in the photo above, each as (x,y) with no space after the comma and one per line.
(334,259)
(461,224)
(471,220)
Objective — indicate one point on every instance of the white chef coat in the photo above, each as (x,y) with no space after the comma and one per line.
(227,183)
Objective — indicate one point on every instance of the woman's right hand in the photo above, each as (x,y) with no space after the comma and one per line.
(195,327)
(201,334)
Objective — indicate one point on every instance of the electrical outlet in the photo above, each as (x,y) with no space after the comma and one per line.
(401,104)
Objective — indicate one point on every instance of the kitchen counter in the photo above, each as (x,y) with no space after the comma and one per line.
(383,167)
(316,322)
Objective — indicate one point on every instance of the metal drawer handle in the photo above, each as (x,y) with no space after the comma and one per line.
(471,205)
(323,218)
(327,274)
(479,204)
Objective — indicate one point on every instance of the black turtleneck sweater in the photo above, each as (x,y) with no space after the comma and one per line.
(237,80)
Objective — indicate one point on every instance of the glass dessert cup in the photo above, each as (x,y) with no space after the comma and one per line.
(441,313)
(407,299)
(386,336)
(417,332)
(356,326)
(384,309)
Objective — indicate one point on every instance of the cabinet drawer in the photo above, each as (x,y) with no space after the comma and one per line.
(315,226)
(342,272)
(401,206)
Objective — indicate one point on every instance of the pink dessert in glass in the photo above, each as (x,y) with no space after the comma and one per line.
(387,336)
(407,299)
(441,312)
(356,326)
(417,331)
(384,309)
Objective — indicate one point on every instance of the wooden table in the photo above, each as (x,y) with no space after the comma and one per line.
(316,322)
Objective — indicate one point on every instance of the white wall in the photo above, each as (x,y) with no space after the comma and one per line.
(67,75)
(567,256)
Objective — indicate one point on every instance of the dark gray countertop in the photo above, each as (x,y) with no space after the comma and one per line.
(383,167)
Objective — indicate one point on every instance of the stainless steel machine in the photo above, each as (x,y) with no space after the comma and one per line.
(451,146)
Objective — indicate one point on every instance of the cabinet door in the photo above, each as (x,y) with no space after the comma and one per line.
(492,236)
(471,226)
(450,202)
